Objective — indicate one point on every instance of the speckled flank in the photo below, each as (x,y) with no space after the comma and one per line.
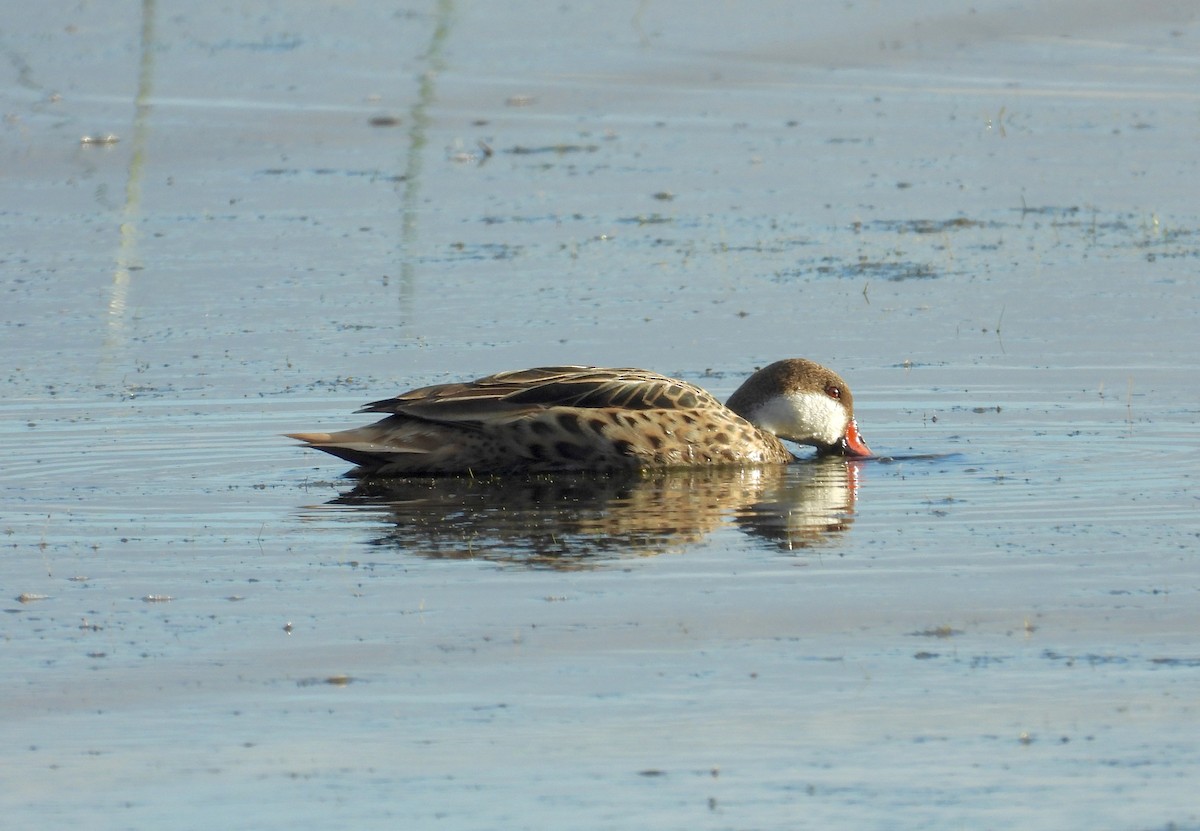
(588,418)
(643,438)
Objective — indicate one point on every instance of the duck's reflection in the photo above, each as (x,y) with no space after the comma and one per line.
(580,521)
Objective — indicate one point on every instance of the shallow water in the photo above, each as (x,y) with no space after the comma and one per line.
(985,221)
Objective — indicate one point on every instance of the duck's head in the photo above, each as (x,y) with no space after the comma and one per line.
(801,401)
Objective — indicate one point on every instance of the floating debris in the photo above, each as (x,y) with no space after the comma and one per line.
(341,680)
(942,631)
(30,597)
(157,598)
(559,149)
(107,138)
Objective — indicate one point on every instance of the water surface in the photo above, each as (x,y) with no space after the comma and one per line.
(984,220)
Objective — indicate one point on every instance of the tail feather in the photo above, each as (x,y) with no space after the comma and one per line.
(310,438)
(358,447)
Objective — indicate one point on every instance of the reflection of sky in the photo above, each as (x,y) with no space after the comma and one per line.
(985,219)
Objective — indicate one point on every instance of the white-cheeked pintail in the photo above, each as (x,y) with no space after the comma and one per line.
(564,418)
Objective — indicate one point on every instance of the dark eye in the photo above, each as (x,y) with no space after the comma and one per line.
(833,392)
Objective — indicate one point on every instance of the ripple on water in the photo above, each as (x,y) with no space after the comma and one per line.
(156,469)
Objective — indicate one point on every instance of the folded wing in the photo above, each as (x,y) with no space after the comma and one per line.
(508,395)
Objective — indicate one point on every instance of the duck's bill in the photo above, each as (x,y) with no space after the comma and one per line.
(852,443)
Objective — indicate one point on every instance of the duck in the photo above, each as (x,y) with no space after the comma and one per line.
(586,418)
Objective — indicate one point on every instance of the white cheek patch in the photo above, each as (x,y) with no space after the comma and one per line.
(804,417)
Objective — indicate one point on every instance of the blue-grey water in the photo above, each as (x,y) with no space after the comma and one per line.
(985,219)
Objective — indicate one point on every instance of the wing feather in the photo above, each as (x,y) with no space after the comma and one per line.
(512,394)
